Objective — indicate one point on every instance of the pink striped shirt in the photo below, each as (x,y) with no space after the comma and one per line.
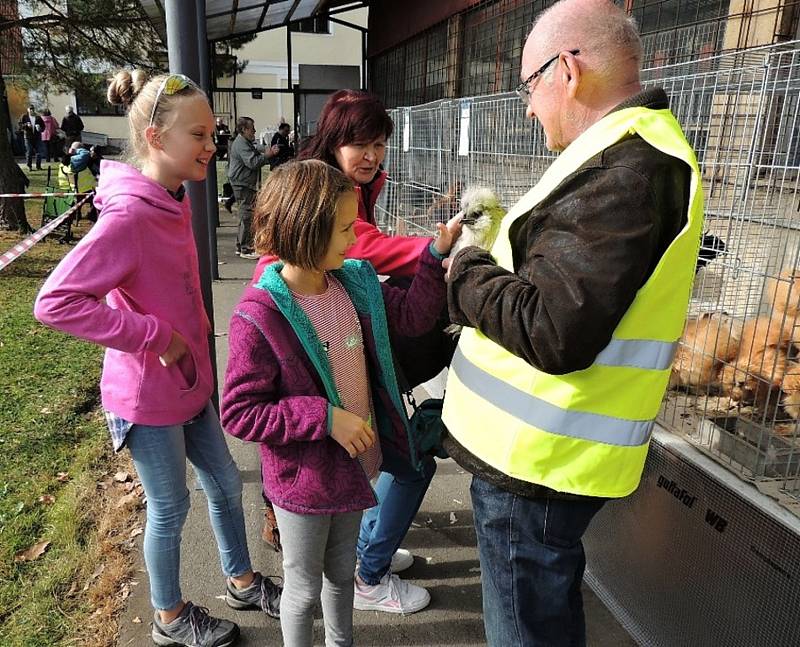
(334,318)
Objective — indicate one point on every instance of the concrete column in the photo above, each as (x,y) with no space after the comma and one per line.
(211,179)
(184,58)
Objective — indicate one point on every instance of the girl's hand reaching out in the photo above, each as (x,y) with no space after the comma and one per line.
(351,432)
(447,234)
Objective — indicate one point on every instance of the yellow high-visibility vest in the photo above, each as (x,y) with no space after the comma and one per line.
(585,432)
(81,182)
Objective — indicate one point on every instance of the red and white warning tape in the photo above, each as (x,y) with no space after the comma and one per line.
(39,195)
(20,248)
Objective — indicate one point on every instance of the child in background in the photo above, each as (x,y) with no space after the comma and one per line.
(132,285)
(310,377)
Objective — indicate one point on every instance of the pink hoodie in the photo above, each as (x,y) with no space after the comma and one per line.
(141,257)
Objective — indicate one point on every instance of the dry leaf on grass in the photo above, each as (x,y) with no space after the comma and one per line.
(63,477)
(97,573)
(132,498)
(47,499)
(121,477)
(32,553)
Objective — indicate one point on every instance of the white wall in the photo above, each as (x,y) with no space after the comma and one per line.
(115,127)
(266,69)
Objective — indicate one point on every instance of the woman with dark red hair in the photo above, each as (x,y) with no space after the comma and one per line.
(352,133)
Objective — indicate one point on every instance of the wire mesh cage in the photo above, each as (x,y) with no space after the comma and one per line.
(735,383)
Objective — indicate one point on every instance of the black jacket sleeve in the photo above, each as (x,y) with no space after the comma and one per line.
(579,259)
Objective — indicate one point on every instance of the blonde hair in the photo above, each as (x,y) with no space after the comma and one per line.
(137,94)
(295,211)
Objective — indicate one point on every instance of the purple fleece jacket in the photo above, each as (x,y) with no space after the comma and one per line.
(275,396)
(127,285)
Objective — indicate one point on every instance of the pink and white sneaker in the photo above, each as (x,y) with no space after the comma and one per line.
(391,595)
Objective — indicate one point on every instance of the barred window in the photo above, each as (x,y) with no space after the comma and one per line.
(679,30)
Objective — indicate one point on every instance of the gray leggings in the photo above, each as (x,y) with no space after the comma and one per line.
(319,555)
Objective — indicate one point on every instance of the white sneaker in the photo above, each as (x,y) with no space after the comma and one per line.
(391,595)
(401,560)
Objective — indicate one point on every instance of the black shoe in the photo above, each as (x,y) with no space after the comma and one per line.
(195,628)
(262,594)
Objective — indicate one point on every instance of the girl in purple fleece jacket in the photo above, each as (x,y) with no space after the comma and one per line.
(132,285)
(310,377)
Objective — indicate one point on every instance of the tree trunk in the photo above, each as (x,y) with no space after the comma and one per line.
(12,210)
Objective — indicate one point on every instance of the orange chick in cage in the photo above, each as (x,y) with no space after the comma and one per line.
(707,343)
(783,294)
(791,390)
(756,374)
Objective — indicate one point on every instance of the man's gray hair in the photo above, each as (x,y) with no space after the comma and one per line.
(608,37)
(244,122)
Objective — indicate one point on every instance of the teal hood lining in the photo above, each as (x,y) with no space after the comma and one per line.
(361,283)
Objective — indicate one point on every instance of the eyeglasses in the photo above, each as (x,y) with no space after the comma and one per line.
(172,84)
(523,90)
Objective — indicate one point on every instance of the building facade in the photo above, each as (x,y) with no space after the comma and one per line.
(461,48)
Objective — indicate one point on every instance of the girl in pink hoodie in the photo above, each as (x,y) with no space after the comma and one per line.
(132,285)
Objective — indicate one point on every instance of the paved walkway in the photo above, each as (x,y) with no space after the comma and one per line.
(442,539)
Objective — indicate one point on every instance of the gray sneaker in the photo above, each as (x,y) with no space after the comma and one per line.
(195,628)
(262,594)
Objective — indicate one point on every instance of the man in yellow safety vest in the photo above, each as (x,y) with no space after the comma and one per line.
(571,320)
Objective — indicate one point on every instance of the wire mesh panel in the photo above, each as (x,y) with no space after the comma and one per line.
(736,378)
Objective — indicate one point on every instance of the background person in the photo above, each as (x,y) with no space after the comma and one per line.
(222,136)
(579,306)
(32,127)
(285,148)
(244,163)
(50,136)
(72,125)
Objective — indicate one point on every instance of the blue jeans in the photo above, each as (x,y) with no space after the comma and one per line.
(400,490)
(33,148)
(532,564)
(160,454)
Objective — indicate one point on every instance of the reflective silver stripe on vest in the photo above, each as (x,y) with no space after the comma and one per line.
(638,353)
(548,417)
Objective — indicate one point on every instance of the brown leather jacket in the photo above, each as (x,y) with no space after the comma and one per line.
(579,256)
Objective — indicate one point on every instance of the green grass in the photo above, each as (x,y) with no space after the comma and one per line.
(48,424)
